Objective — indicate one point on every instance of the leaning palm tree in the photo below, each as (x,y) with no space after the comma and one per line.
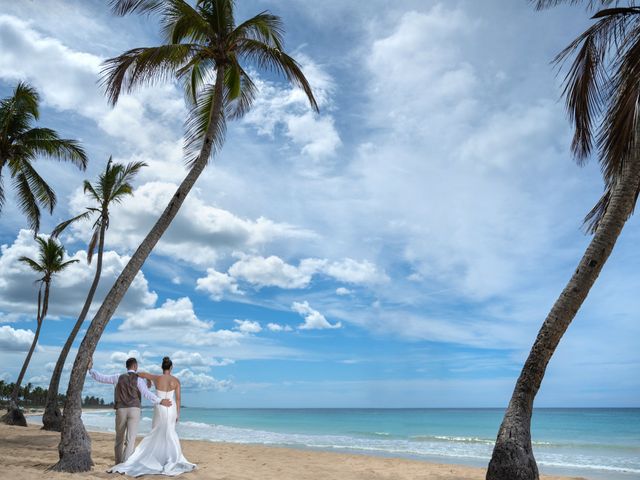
(205,51)
(50,262)
(113,185)
(602,91)
(21,144)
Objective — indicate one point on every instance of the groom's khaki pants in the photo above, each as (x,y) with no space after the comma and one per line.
(127,420)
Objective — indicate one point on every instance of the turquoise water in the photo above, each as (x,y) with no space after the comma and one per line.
(592,443)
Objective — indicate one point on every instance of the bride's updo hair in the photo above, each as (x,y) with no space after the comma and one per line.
(166,363)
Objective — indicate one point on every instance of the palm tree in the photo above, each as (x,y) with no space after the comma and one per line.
(602,91)
(21,144)
(205,50)
(50,262)
(113,185)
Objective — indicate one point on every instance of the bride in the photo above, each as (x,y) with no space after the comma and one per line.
(159,452)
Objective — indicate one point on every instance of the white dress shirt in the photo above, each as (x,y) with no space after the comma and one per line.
(113,379)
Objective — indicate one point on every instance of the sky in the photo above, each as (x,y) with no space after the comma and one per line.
(399,249)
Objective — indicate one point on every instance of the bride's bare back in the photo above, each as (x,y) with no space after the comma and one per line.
(166,382)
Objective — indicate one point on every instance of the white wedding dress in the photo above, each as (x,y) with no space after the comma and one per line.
(159,453)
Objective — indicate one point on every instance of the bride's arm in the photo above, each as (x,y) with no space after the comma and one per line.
(147,376)
(178,401)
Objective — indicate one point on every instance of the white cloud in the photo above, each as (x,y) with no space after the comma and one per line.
(175,321)
(62,75)
(352,271)
(313,319)
(248,326)
(173,314)
(201,381)
(196,359)
(317,136)
(452,142)
(415,277)
(122,357)
(274,272)
(276,327)
(216,284)
(68,80)
(69,288)
(220,338)
(200,233)
(223,362)
(342,291)
(16,340)
(277,106)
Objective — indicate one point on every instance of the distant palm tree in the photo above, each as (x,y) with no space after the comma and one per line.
(113,185)
(21,144)
(602,92)
(204,45)
(50,262)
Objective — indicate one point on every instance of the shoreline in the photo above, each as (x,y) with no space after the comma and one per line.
(26,453)
(39,411)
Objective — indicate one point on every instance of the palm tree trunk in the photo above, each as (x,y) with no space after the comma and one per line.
(75,445)
(512,457)
(14,415)
(52,418)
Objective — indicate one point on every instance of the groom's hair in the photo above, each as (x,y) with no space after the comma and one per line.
(131,362)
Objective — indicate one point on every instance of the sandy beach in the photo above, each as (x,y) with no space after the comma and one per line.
(25,453)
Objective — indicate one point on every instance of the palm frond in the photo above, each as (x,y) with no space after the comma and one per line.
(26,99)
(182,23)
(43,193)
(92,244)
(52,257)
(144,66)
(46,142)
(582,90)
(88,188)
(264,27)
(590,4)
(18,111)
(240,92)
(35,266)
(197,124)
(219,14)
(121,186)
(276,60)
(131,170)
(63,225)
(27,201)
(108,180)
(120,192)
(617,12)
(64,265)
(200,71)
(619,129)
(124,7)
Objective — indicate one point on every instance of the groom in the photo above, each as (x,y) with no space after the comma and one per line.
(129,389)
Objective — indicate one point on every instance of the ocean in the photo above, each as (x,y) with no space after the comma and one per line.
(592,443)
